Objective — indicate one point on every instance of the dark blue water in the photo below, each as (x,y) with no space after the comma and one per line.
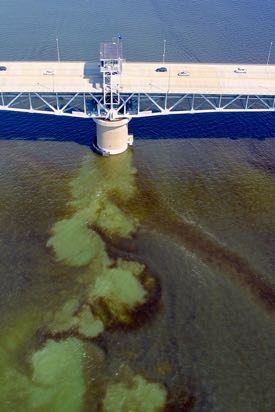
(213,125)
(209,30)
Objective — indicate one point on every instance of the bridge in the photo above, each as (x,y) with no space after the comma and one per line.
(113,91)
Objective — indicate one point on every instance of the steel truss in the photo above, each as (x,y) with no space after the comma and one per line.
(94,105)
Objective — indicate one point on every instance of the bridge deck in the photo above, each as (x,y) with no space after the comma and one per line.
(138,77)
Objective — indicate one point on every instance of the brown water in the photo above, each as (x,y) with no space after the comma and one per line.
(206,234)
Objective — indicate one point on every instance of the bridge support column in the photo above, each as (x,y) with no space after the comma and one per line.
(112,135)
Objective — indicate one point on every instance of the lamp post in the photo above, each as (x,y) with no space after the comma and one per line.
(164,51)
(269,53)
(57,47)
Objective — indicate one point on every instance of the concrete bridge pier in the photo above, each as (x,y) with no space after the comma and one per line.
(112,135)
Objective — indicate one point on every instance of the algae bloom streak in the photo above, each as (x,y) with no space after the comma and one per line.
(64,363)
(111,288)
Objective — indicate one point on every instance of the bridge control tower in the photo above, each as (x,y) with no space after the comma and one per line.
(112,133)
(111,67)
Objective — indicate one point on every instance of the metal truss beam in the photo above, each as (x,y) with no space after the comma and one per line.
(91,105)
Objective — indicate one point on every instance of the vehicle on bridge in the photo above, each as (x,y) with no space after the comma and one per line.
(161,69)
(240,70)
(183,73)
(48,73)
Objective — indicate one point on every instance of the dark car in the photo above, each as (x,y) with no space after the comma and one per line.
(111,73)
(161,69)
(3,68)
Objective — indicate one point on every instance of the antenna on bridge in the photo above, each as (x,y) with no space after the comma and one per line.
(57,47)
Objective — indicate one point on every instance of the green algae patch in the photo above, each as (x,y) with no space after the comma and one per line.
(98,194)
(64,318)
(74,319)
(113,221)
(74,243)
(88,325)
(120,285)
(139,396)
(58,382)
(135,268)
(119,291)
(100,190)
(116,177)
(102,212)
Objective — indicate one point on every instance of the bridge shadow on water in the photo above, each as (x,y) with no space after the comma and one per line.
(24,126)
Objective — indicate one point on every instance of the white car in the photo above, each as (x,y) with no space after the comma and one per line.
(183,73)
(48,73)
(240,70)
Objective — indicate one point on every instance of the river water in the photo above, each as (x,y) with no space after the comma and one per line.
(193,202)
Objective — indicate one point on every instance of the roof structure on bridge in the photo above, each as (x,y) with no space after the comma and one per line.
(111,50)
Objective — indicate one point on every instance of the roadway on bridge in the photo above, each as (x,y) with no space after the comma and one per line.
(138,77)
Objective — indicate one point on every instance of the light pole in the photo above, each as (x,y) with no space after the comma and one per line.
(269,53)
(57,47)
(164,51)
